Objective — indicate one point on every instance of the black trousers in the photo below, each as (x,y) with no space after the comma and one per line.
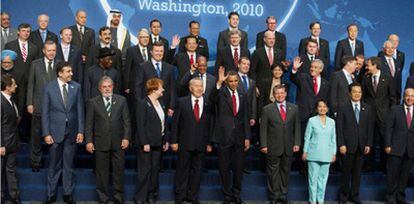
(377,158)
(231,160)
(148,170)
(398,171)
(103,161)
(8,176)
(278,169)
(36,140)
(188,174)
(351,171)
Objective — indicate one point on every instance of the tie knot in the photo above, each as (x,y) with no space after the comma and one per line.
(158,64)
(356,106)
(64,86)
(50,62)
(196,101)
(282,106)
(315,78)
(236,48)
(233,91)
(107,99)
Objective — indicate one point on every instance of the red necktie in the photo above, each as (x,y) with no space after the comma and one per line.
(409,118)
(196,111)
(191,59)
(282,112)
(24,52)
(236,57)
(270,56)
(234,103)
(315,85)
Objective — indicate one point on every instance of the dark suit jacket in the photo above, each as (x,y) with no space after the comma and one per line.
(343,48)
(352,134)
(75,60)
(251,95)
(260,68)
(107,132)
(224,40)
(229,129)
(400,59)
(412,68)
(410,82)
(338,92)
(398,135)
(92,78)
(277,135)
(133,60)
(149,125)
(9,121)
(38,79)
(55,116)
(36,39)
(305,68)
(280,42)
(184,83)
(93,52)
(147,72)
(168,53)
(182,62)
(21,70)
(225,58)
(202,46)
(385,68)
(381,100)
(305,96)
(186,131)
(323,53)
(88,38)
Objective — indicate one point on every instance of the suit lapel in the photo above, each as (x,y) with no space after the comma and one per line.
(59,93)
(101,106)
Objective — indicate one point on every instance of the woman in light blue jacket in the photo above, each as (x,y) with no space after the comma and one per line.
(319,151)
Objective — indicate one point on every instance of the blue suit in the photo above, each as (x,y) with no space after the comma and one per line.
(63,124)
(320,146)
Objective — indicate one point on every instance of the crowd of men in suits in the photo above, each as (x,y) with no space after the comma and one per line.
(77,90)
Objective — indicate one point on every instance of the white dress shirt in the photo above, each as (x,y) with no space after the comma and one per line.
(200,104)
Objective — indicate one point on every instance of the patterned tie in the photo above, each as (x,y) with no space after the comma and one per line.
(234,103)
(81,33)
(236,57)
(158,69)
(409,117)
(270,56)
(24,52)
(391,65)
(356,110)
(196,111)
(65,95)
(191,59)
(108,106)
(315,85)
(282,112)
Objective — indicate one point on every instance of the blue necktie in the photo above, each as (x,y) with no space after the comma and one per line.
(245,83)
(158,69)
(357,113)
(43,34)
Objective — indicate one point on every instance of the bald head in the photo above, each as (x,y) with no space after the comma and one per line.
(269,38)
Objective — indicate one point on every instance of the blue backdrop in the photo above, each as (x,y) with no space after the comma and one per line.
(376,19)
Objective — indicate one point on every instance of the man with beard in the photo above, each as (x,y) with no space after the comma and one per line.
(7,62)
(121,38)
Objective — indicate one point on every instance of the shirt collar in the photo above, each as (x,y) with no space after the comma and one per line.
(8,97)
(60,82)
(353,104)
(377,74)
(284,104)
(105,45)
(410,107)
(193,98)
(47,61)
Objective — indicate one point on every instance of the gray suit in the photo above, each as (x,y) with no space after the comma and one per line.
(279,137)
(38,78)
(10,37)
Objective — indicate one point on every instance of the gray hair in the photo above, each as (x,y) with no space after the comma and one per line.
(386,42)
(144,30)
(105,79)
(319,62)
(235,32)
(194,80)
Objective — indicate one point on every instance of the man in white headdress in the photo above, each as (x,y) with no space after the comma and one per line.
(120,35)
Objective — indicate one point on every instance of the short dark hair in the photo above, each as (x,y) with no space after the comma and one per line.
(23,25)
(311,41)
(270,17)
(314,23)
(155,21)
(60,66)
(280,86)
(243,58)
(49,42)
(189,37)
(352,85)
(103,28)
(347,58)
(6,80)
(277,64)
(233,13)
(157,44)
(64,28)
(350,25)
(376,61)
(320,100)
(193,22)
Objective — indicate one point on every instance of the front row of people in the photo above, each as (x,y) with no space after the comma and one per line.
(107,134)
